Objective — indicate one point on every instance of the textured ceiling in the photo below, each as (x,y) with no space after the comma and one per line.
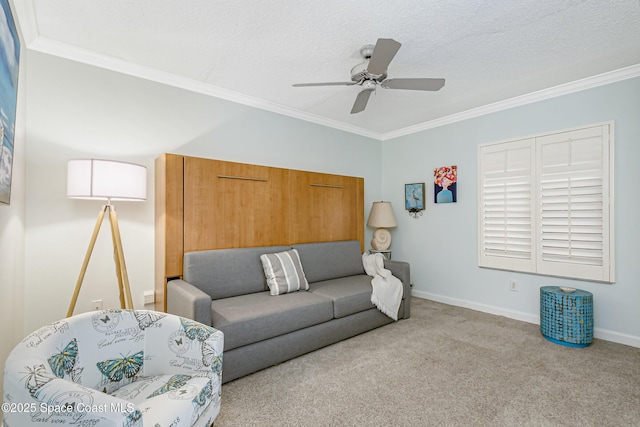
(489,51)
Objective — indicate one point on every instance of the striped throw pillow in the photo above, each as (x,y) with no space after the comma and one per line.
(284,273)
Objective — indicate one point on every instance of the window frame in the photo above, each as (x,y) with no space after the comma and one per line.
(504,247)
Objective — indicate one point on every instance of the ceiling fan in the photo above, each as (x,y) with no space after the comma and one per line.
(374,71)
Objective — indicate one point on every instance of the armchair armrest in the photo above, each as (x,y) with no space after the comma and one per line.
(184,299)
(402,270)
(62,401)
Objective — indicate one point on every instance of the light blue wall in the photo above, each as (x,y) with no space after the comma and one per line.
(442,244)
(260,137)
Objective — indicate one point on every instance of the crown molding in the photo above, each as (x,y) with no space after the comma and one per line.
(541,95)
(73,53)
(64,50)
(25,18)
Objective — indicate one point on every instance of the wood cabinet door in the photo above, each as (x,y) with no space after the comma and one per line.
(325,207)
(232,205)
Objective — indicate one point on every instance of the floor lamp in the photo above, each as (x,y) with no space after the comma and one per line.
(108,180)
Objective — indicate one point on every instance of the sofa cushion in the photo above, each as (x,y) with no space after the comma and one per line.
(330,260)
(349,294)
(284,272)
(251,318)
(224,273)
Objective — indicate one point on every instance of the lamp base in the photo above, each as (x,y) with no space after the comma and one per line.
(381,239)
(126,302)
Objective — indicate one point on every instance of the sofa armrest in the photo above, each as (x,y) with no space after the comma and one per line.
(184,299)
(402,270)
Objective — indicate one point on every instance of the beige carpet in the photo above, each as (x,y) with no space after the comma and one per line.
(446,366)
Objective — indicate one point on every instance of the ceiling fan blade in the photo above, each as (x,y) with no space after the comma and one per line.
(382,56)
(413,84)
(361,101)
(326,84)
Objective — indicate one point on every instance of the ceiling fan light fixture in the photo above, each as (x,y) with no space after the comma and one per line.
(369,85)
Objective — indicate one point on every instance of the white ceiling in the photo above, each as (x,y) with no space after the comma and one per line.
(492,53)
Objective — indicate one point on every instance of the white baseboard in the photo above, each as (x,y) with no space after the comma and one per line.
(599,333)
(617,337)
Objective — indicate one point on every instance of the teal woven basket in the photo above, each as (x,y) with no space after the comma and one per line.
(566,318)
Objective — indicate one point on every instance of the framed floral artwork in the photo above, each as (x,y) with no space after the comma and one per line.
(445,184)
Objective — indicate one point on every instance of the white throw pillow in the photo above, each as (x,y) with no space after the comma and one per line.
(284,273)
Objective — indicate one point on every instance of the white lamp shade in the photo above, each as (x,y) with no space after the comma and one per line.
(382,215)
(106,180)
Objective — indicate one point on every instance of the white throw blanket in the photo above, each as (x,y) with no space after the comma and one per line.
(387,289)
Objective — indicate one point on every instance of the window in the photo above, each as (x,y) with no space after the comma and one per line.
(545,204)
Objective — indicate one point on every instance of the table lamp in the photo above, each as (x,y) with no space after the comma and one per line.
(382,217)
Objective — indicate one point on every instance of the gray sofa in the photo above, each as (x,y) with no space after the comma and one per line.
(227,289)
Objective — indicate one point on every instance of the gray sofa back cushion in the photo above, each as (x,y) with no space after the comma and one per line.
(224,273)
(330,260)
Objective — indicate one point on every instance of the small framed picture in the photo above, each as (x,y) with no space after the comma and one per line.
(414,197)
(445,184)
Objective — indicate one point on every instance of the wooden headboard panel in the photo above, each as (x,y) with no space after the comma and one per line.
(211,204)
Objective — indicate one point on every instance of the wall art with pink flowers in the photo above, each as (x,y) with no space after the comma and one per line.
(445,184)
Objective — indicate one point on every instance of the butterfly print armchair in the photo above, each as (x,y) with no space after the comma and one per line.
(115,368)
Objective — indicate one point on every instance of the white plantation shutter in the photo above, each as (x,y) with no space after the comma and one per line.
(573,177)
(506,204)
(545,206)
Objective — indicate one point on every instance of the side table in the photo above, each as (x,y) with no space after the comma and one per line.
(386,254)
(566,318)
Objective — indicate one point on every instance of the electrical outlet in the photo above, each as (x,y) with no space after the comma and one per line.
(513,286)
(96,304)
(149,297)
